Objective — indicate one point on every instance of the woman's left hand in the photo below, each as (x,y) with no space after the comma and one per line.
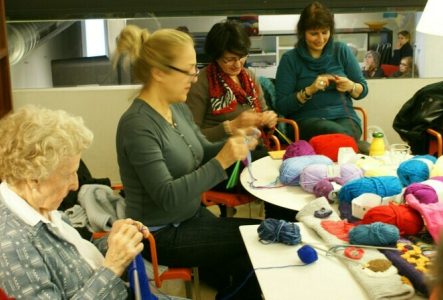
(343,84)
(269,119)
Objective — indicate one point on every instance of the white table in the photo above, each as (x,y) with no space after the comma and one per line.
(266,170)
(327,278)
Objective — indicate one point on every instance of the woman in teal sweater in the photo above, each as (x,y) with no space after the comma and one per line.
(318,79)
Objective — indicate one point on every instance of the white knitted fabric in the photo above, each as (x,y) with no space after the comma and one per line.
(378,285)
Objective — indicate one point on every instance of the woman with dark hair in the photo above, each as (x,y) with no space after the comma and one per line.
(372,69)
(318,79)
(227,97)
(403,49)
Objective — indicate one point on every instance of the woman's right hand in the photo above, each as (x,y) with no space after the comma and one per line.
(320,83)
(124,243)
(234,149)
(248,118)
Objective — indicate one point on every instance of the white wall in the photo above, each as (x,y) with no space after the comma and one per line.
(101,108)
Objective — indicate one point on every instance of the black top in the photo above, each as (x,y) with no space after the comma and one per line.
(404,51)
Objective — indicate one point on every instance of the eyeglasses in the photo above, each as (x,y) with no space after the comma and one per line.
(193,75)
(233,60)
(404,65)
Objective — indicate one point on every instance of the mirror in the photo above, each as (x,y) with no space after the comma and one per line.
(62,52)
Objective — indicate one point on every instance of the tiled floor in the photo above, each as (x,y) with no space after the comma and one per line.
(177,287)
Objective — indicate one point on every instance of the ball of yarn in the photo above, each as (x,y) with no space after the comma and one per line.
(272,231)
(340,174)
(416,169)
(425,191)
(328,144)
(307,254)
(437,170)
(382,186)
(404,217)
(291,168)
(375,234)
(325,188)
(298,148)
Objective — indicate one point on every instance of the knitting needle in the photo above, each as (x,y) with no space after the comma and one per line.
(328,253)
(364,246)
(283,136)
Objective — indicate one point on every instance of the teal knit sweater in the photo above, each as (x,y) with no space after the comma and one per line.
(298,69)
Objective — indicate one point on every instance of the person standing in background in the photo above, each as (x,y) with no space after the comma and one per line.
(403,49)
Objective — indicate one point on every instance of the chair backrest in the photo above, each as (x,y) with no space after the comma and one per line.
(364,119)
(4,296)
(389,69)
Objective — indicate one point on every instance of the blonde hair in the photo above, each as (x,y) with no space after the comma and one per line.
(35,140)
(144,50)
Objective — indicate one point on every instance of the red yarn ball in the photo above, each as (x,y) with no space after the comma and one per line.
(328,144)
(407,219)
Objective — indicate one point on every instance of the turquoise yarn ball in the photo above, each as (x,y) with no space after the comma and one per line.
(381,185)
(415,169)
(375,234)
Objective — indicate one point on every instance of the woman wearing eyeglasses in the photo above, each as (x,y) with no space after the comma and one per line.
(405,69)
(166,163)
(227,96)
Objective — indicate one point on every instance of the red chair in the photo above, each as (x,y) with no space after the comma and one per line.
(436,143)
(185,274)
(364,119)
(388,70)
(231,200)
(4,296)
(188,275)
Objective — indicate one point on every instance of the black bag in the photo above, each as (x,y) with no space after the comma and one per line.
(424,110)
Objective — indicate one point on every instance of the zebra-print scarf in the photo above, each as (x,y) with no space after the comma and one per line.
(224,93)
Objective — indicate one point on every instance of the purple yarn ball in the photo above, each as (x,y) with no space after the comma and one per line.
(298,148)
(424,192)
(323,188)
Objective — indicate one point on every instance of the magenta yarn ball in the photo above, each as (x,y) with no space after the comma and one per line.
(298,148)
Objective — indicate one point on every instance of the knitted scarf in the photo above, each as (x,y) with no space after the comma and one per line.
(224,93)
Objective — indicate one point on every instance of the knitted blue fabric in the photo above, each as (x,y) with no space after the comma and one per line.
(375,234)
(415,169)
(138,279)
(381,185)
(291,168)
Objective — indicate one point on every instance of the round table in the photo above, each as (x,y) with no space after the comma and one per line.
(266,171)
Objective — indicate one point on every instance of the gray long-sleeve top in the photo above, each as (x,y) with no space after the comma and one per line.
(164,169)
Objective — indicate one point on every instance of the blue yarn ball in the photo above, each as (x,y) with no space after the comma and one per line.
(272,231)
(291,168)
(381,185)
(307,254)
(414,169)
(375,234)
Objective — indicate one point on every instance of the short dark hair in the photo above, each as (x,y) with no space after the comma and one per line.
(315,16)
(228,36)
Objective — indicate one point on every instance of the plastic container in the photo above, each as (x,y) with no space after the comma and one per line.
(377,147)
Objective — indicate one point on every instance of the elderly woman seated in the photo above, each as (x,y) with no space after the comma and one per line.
(41,256)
